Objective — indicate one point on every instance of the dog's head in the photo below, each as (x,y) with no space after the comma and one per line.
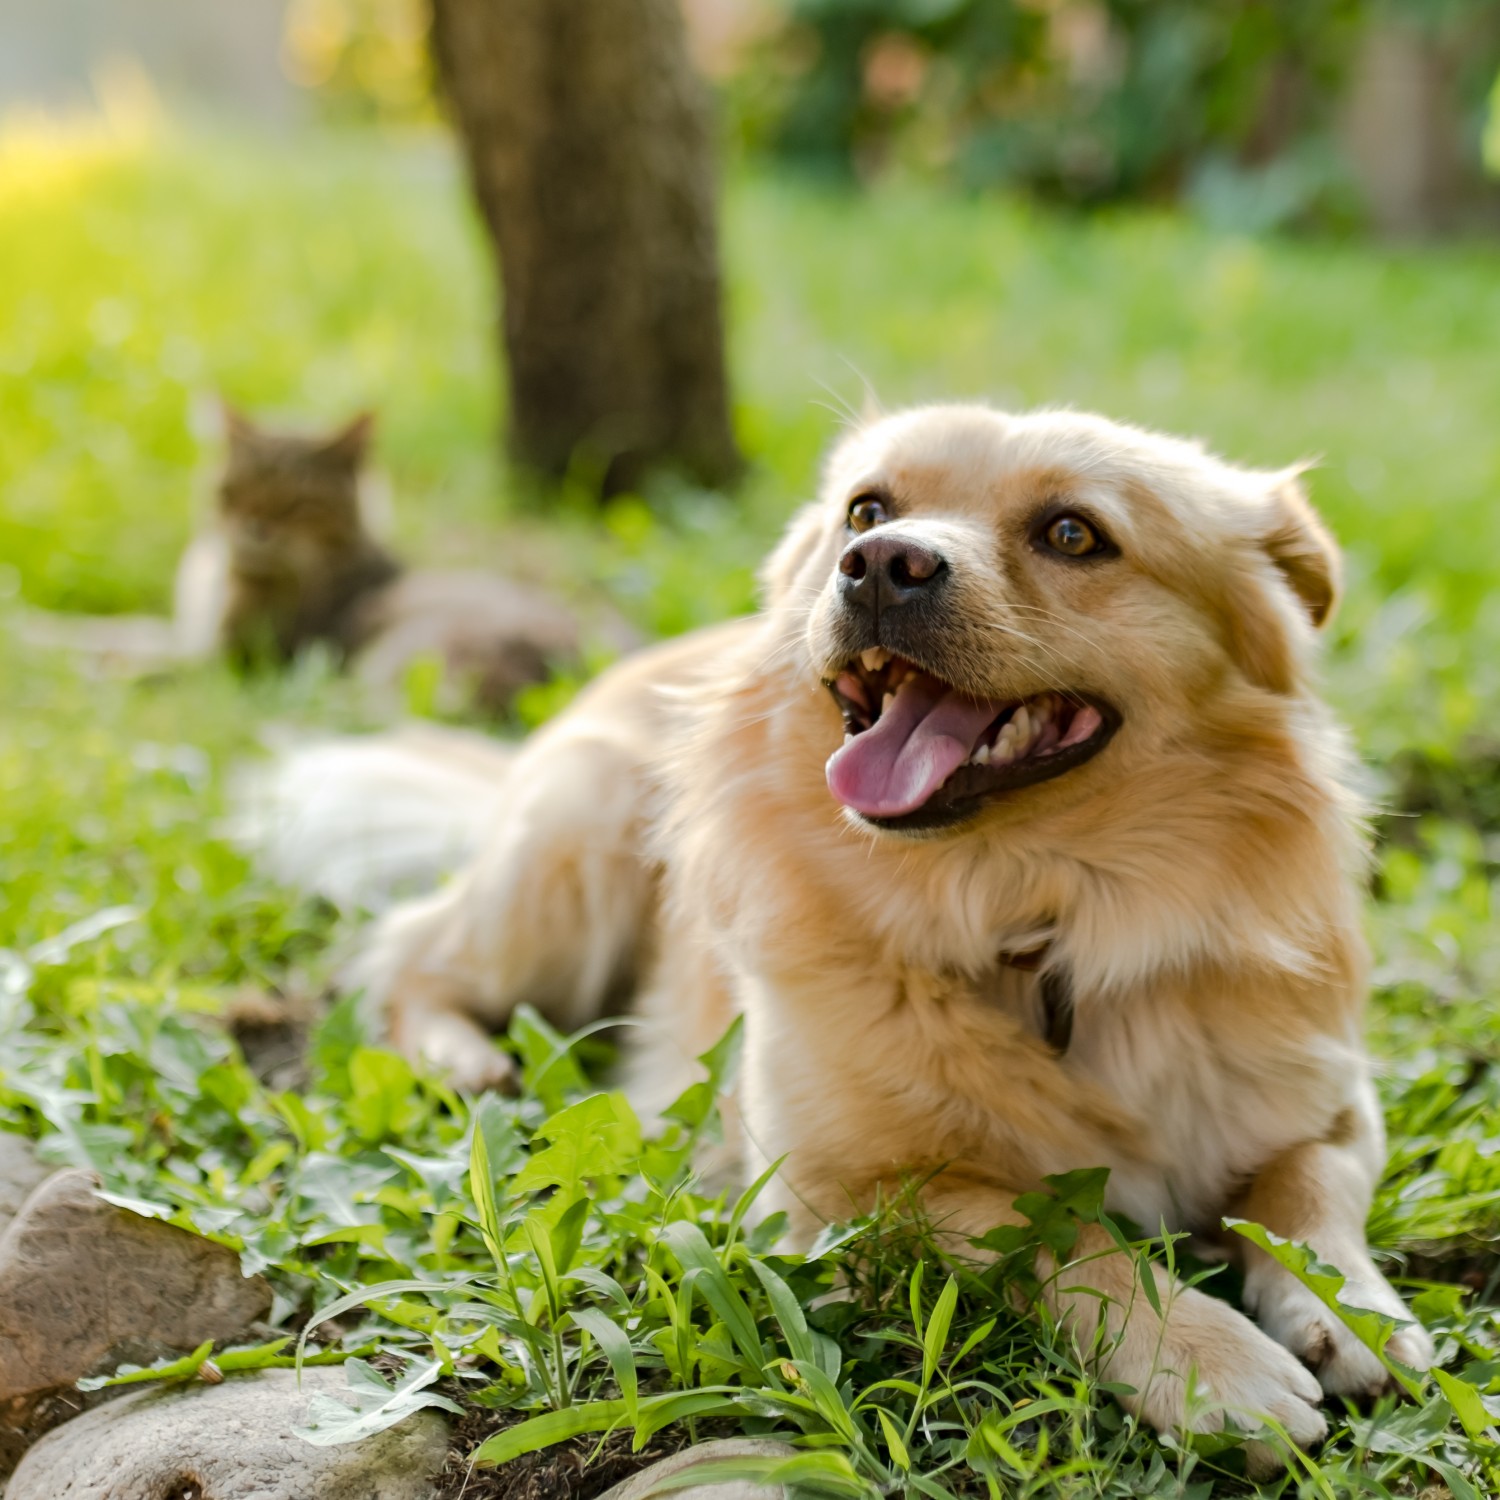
(1000,603)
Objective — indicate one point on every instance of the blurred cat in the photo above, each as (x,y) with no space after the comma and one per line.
(290,562)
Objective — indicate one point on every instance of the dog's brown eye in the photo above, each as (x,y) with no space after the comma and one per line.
(866,512)
(1073,537)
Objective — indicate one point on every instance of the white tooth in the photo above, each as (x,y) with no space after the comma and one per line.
(1005,746)
(885,702)
(874,658)
(1021,723)
(1041,713)
(849,737)
(981,757)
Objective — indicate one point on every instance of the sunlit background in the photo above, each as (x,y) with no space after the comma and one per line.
(1269,223)
(1266,222)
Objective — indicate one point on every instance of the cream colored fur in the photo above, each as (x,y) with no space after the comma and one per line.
(1199,880)
(361,821)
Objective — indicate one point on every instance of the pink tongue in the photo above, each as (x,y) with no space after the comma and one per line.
(926,734)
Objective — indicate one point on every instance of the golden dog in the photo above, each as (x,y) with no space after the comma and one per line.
(1017,831)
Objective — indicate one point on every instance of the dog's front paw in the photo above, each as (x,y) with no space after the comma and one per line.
(1294,1317)
(1213,1365)
(455,1046)
(484,1070)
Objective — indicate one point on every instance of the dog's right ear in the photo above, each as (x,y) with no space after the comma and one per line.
(1272,607)
(1303,549)
(782,572)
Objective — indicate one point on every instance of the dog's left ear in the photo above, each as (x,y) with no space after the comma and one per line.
(1267,637)
(1303,549)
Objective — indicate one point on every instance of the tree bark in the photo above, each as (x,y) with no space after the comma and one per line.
(589,149)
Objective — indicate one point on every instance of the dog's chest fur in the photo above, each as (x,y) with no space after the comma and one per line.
(1210,1114)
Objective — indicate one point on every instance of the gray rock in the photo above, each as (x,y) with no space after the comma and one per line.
(20,1173)
(80,1278)
(86,1286)
(228,1442)
(640,1486)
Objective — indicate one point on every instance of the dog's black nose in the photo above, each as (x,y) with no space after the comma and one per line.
(881,571)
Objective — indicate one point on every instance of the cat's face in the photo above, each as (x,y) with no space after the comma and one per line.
(290,505)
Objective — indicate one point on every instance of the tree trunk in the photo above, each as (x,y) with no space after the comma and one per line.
(589,149)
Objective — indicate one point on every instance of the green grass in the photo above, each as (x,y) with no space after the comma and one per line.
(138,277)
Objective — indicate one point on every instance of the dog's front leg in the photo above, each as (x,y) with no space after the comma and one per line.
(1319,1193)
(427,967)
(1190,1368)
(549,912)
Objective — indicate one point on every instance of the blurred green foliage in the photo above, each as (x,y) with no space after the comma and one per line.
(1233,104)
(1083,102)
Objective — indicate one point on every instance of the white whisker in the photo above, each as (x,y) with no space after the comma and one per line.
(1051,652)
(1053,618)
(844,410)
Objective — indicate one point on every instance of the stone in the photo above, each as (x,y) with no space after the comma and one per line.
(232,1441)
(20,1174)
(640,1486)
(80,1278)
(86,1286)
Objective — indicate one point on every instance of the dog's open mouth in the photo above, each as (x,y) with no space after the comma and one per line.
(919,754)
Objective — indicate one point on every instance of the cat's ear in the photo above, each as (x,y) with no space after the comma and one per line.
(239,430)
(350,444)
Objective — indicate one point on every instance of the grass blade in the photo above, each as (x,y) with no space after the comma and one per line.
(549,1428)
(938,1325)
(612,1339)
(789,1314)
